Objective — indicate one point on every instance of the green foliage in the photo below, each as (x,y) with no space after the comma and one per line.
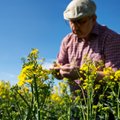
(35,97)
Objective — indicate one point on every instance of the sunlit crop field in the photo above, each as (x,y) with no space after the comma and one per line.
(36,97)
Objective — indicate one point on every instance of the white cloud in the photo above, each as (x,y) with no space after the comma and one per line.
(48,63)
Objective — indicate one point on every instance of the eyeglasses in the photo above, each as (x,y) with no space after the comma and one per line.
(81,21)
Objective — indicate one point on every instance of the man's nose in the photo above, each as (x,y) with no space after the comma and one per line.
(75,27)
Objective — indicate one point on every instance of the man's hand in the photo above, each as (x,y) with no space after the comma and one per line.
(69,71)
(56,71)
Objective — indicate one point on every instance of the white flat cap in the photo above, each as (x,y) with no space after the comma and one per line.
(77,9)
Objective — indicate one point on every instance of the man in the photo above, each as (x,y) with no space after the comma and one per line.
(87,38)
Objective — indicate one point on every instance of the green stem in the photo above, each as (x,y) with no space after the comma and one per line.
(118,106)
(90,98)
(69,112)
(83,93)
(82,108)
(8,112)
(20,116)
(32,100)
(23,98)
(37,97)
(106,116)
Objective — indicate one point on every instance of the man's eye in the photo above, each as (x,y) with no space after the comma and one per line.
(82,22)
(79,22)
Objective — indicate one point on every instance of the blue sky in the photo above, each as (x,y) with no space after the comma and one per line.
(27,24)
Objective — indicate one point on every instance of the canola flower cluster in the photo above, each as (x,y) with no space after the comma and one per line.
(59,92)
(104,92)
(4,89)
(31,69)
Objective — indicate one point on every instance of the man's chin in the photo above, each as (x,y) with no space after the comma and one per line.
(80,36)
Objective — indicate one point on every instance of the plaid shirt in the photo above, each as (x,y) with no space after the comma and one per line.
(103,44)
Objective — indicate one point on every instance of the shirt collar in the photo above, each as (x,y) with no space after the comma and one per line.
(95,29)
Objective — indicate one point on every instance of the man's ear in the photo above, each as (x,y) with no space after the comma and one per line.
(94,18)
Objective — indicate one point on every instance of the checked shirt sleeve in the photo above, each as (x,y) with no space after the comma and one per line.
(112,51)
(62,57)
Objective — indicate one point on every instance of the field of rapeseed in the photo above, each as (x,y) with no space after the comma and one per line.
(36,97)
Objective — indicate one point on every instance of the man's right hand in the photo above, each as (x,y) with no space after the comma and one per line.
(56,71)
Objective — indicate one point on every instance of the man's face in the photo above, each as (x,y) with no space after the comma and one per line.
(82,27)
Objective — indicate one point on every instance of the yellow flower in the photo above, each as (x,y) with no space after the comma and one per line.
(21,83)
(107,71)
(111,76)
(56,98)
(117,75)
(4,89)
(29,81)
(84,67)
(21,79)
(24,74)
(28,69)
(84,87)
(34,51)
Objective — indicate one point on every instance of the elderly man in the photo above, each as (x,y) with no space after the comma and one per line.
(89,38)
